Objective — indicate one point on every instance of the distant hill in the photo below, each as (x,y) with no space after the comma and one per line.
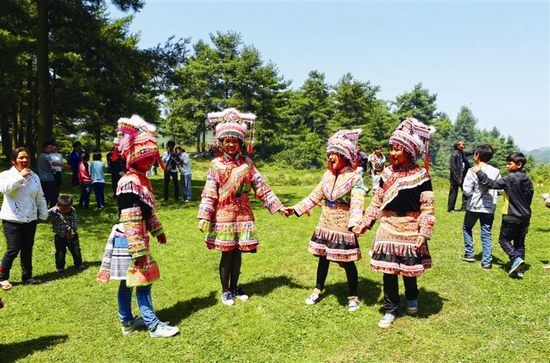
(541,155)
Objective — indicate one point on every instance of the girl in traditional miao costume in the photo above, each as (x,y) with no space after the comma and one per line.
(342,193)
(127,255)
(225,211)
(404,205)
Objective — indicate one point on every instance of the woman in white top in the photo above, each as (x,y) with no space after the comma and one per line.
(23,207)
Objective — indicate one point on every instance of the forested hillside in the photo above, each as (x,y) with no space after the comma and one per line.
(76,73)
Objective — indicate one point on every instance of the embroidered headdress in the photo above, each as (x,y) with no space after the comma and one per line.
(231,122)
(414,137)
(344,143)
(136,141)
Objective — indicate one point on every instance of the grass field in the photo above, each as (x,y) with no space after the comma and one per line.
(466,314)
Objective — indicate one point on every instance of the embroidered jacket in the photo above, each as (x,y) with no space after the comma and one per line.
(229,181)
(404,190)
(137,214)
(346,189)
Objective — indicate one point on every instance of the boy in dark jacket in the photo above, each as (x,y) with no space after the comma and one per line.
(516,210)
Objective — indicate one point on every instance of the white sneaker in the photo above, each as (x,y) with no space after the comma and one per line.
(386,321)
(227,298)
(239,294)
(164,330)
(314,297)
(353,303)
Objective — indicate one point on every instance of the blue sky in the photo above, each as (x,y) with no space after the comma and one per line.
(490,56)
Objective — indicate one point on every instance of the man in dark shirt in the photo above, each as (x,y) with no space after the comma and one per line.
(458,165)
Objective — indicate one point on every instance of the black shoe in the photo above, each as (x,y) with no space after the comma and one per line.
(467,258)
(486,266)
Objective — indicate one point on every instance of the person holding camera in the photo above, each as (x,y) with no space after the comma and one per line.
(172,161)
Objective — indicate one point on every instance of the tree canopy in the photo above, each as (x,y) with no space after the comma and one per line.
(68,71)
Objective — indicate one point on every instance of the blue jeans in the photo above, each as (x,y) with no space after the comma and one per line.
(186,186)
(486,221)
(99,191)
(144,302)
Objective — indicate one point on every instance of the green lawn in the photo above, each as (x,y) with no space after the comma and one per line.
(466,313)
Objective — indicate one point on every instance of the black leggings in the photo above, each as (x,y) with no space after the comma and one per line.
(230,269)
(351,273)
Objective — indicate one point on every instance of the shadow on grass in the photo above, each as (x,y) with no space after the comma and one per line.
(69,272)
(368,291)
(541,229)
(496,260)
(14,351)
(266,285)
(182,309)
(429,303)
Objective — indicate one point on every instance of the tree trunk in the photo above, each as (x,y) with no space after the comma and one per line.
(14,124)
(44,124)
(31,108)
(6,136)
(203,143)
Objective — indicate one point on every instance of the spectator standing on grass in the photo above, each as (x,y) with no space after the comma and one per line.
(480,205)
(404,205)
(377,162)
(46,173)
(117,169)
(516,211)
(65,223)
(23,206)
(458,165)
(97,175)
(185,174)
(127,255)
(58,164)
(225,212)
(342,195)
(172,162)
(85,181)
(74,161)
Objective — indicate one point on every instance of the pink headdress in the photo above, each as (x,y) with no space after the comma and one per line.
(136,141)
(414,137)
(231,122)
(344,142)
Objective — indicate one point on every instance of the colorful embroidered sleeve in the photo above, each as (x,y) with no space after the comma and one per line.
(373,212)
(313,199)
(357,204)
(209,195)
(154,226)
(427,218)
(135,231)
(264,192)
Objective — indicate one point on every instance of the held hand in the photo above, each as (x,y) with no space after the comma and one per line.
(357,229)
(288,211)
(161,238)
(25,172)
(203,225)
(476,168)
(420,241)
